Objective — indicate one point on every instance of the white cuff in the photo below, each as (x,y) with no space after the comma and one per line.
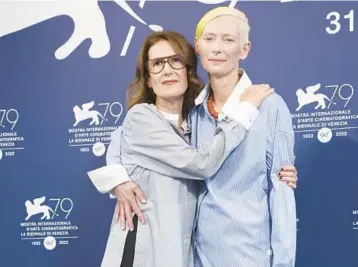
(112,195)
(108,177)
(243,112)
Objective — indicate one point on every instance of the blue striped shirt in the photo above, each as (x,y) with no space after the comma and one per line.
(246,216)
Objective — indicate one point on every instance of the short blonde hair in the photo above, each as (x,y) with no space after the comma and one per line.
(244,28)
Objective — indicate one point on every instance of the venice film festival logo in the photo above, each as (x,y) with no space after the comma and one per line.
(11,141)
(89,21)
(93,125)
(48,224)
(84,113)
(325,112)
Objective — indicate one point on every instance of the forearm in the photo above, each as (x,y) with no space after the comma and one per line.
(281,197)
(106,178)
(168,154)
(283,225)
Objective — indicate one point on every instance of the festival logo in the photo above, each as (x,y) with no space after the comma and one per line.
(47,223)
(11,141)
(92,126)
(324,112)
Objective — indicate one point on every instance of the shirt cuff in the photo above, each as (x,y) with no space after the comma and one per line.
(243,112)
(106,178)
(112,194)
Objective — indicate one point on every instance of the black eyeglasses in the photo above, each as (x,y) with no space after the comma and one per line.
(156,65)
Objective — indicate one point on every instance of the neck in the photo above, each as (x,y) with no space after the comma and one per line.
(222,88)
(170,106)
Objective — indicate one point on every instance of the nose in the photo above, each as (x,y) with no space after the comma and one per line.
(216,47)
(167,68)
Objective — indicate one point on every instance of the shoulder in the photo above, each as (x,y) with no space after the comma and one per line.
(276,113)
(116,133)
(142,117)
(141,113)
(274,103)
(142,108)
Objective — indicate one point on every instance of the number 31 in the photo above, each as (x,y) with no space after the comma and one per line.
(335,25)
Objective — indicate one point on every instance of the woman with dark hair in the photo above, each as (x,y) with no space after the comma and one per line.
(154,151)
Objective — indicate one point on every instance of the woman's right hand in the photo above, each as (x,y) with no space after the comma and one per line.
(256,94)
(127,195)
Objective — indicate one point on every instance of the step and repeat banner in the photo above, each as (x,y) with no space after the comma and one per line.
(64,69)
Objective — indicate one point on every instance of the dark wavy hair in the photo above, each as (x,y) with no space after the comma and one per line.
(144,94)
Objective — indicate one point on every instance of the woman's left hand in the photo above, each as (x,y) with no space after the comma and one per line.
(288,174)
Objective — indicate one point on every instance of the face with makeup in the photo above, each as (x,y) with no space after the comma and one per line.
(167,72)
(221,45)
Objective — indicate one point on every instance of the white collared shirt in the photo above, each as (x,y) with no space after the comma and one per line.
(241,111)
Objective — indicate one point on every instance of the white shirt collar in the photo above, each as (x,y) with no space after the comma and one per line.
(234,97)
(232,101)
(169,116)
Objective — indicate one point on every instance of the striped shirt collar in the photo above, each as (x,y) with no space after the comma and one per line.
(242,84)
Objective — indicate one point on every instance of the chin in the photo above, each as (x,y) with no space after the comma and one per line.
(217,72)
(214,69)
(172,97)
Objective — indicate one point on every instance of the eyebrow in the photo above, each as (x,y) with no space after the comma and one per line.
(222,34)
(175,55)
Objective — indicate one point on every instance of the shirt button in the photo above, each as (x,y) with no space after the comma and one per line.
(269,252)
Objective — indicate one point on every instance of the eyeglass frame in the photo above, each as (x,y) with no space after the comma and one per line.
(166,60)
